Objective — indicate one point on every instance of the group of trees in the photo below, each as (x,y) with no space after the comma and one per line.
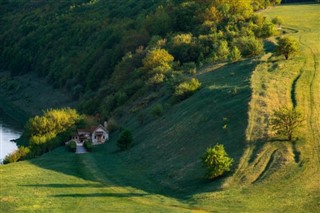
(114,51)
(46,132)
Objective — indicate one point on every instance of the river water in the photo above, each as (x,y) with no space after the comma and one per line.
(9,130)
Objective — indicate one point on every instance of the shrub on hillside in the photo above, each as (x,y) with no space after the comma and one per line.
(249,46)
(216,161)
(20,154)
(157,110)
(235,54)
(156,58)
(125,140)
(72,146)
(88,145)
(187,88)
(287,46)
(278,21)
(184,47)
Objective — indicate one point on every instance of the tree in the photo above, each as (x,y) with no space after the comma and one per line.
(125,140)
(184,47)
(187,88)
(217,161)
(285,121)
(287,46)
(249,46)
(278,21)
(235,54)
(156,58)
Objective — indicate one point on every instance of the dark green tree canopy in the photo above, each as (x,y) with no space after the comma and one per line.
(125,140)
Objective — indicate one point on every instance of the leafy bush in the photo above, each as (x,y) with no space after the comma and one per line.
(287,46)
(156,79)
(187,88)
(20,154)
(125,140)
(184,47)
(216,161)
(277,20)
(157,110)
(53,121)
(235,54)
(88,145)
(156,58)
(72,146)
(249,46)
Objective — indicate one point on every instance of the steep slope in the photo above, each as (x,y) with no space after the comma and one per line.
(162,171)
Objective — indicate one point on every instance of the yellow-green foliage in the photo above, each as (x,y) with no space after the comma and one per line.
(217,161)
(52,122)
(187,88)
(17,155)
(288,46)
(285,121)
(157,58)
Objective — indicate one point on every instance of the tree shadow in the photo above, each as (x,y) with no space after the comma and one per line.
(120,195)
(64,185)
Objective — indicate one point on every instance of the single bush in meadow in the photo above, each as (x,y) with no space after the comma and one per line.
(216,161)
(125,140)
(157,110)
(287,46)
(285,121)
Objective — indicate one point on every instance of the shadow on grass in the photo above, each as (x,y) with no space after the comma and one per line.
(102,195)
(65,185)
(166,157)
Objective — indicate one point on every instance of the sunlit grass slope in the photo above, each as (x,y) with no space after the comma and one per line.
(162,171)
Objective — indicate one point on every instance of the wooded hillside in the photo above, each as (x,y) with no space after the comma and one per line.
(97,49)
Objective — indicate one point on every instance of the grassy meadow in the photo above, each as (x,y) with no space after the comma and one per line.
(162,171)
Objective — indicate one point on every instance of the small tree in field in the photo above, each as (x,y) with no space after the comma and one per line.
(285,121)
(217,161)
(287,46)
(125,140)
(278,21)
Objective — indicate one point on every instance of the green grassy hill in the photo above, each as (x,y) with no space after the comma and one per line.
(162,172)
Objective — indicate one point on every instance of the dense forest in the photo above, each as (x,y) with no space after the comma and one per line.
(110,54)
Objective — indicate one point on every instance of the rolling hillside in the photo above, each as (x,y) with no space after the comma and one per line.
(162,172)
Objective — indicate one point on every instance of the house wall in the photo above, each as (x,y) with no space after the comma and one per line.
(105,134)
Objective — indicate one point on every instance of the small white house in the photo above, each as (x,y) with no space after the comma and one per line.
(96,135)
(99,135)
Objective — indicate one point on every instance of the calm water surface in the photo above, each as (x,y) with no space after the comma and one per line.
(9,130)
